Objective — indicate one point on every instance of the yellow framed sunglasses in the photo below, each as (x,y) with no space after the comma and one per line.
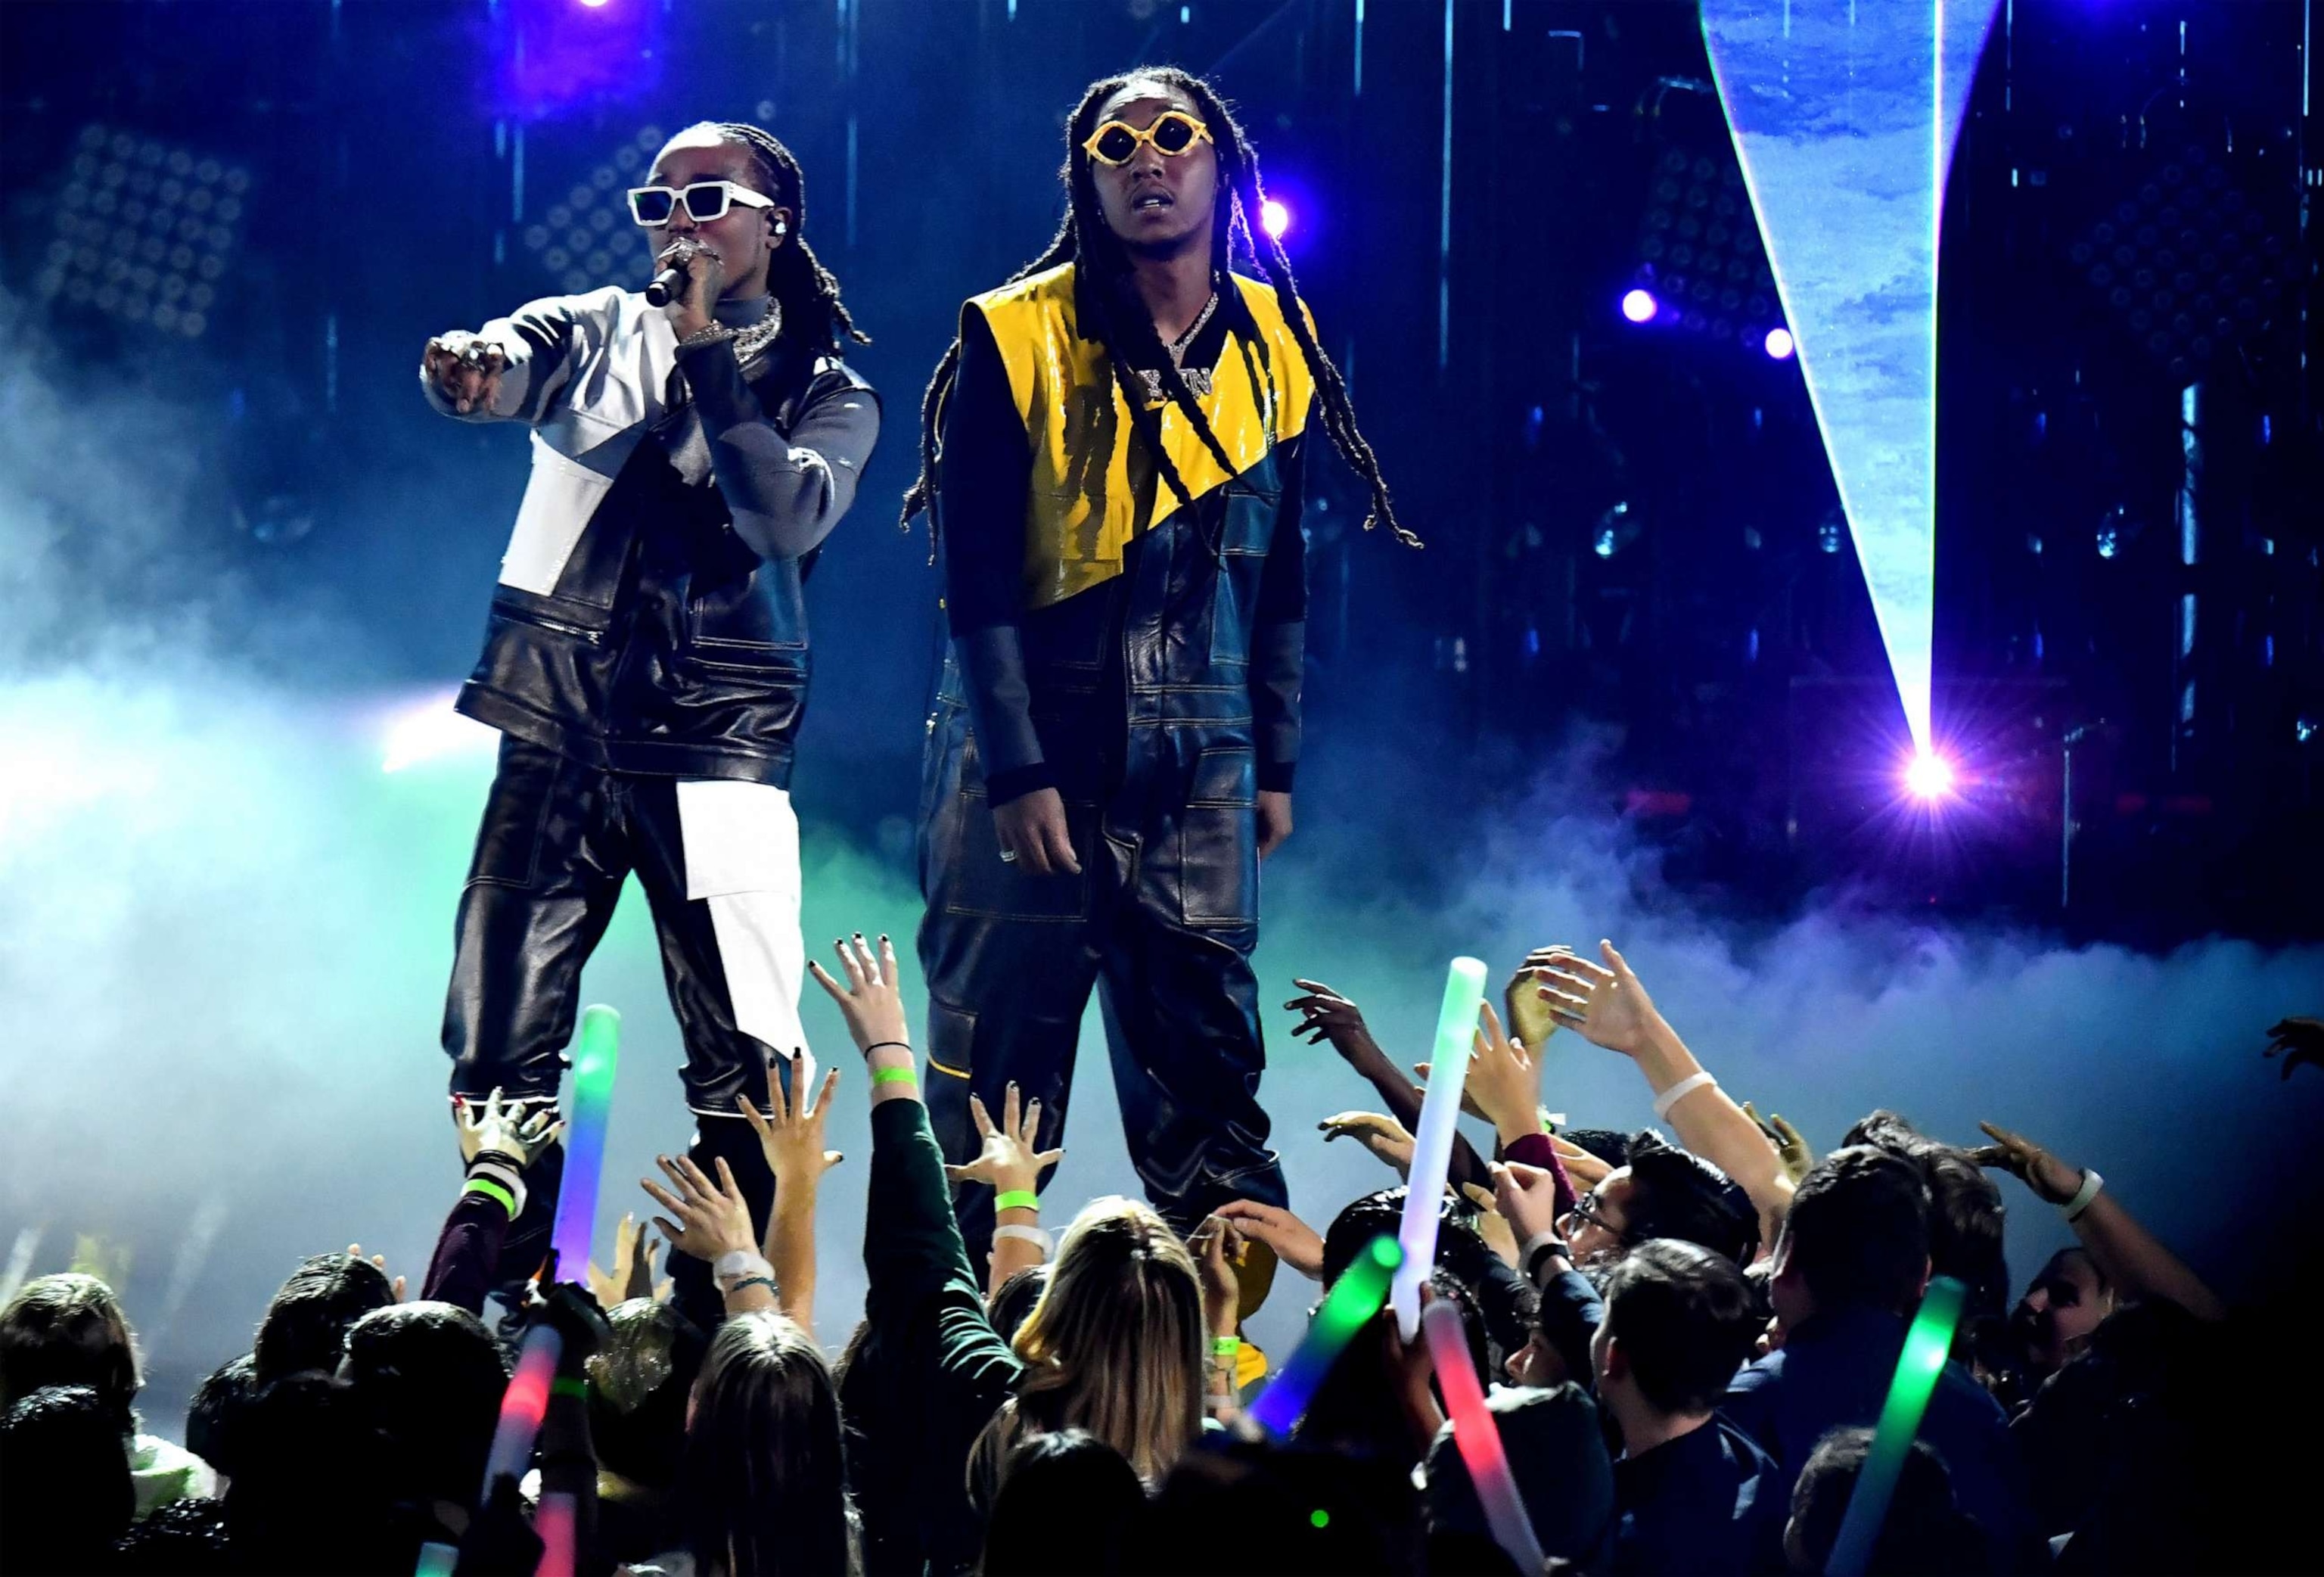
(1173,133)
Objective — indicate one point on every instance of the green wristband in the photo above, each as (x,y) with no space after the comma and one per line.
(1226,1347)
(893,1075)
(569,1385)
(492,1190)
(1017,1199)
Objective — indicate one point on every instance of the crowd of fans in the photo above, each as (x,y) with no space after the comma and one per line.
(1685,1339)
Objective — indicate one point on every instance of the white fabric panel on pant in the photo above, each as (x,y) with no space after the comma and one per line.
(741,859)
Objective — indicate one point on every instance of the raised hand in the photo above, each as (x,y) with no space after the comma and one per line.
(1378,1132)
(1604,1001)
(1530,1021)
(1010,1161)
(2050,1179)
(2300,1040)
(1326,1015)
(1492,1225)
(1218,1248)
(1293,1242)
(379,1263)
(1504,1080)
(1797,1158)
(1526,1198)
(633,1272)
(465,370)
(712,1219)
(505,1130)
(872,1002)
(791,1132)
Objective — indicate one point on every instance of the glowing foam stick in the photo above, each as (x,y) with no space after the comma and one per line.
(585,1141)
(521,1407)
(1927,1344)
(1352,1301)
(436,1560)
(1432,1147)
(558,1522)
(1479,1437)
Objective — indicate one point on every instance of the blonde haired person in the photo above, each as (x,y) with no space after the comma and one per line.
(1117,1344)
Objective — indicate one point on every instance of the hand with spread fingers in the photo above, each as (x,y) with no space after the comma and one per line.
(632,1276)
(872,1002)
(1010,1161)
(1530,1021)
(713,1218)
(1504,1081)
(791,1132)
(1603,1001)
(488,1125)
(1326,1015)
(2298,1041)
(379,1263)
(1377,1132)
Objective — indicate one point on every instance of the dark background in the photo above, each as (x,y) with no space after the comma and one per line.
(405,162)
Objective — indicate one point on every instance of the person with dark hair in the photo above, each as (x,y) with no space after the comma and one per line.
(1558,1457)
(311,1489)
(1113,454)
(1695,1493)
(65,1490)
(429,1376)
(646,662)
(1965,1225)
(1850,1267)
(1014,1299)
(763,1487)
(1924,1533)
(1245,1506)
(218,1404)
(305,1325)
(68,1330)
(1069,1504)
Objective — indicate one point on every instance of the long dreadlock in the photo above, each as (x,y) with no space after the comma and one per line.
(1084,238)
(805,290)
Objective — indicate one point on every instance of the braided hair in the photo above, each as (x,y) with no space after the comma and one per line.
(803,289)
(1123,324)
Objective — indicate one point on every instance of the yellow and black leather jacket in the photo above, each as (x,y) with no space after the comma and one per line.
(1083,601)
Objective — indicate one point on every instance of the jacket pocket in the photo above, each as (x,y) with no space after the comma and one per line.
(1218,841)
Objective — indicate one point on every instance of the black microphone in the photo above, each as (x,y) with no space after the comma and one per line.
(668,284)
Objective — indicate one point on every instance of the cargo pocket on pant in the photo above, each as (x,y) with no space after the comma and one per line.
(1218,841)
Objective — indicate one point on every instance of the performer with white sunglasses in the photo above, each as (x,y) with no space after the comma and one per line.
(646,658)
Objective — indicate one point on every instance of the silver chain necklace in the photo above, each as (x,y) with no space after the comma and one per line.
(1197,379)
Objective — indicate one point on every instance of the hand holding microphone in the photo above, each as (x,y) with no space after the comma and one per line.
(688,282)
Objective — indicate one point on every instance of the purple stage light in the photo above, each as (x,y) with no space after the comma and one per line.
(1274,218)
(1639,305)
(1930,777)
(592,4)
(1778,343)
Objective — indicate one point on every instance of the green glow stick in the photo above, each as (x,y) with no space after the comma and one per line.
(1927,1345)
(1431,1137)
(1354,1300)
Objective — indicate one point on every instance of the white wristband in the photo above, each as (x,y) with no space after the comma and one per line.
(1679,1092)
(738,1265)
(1033,1235)
(2080,1202)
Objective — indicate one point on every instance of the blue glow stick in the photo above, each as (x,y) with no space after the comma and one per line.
(1352,1301)
(1431,1144)
(1927,1345)
(585,1141)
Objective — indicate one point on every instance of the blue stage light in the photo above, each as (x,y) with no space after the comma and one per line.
(1844,118)
(1274,218)
(1639,305)
(1778,343)
(1930,776)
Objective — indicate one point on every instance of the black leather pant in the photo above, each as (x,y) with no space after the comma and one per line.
(1161,920)
(556,841)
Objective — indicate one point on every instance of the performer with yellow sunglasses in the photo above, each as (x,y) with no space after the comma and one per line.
(1112,455)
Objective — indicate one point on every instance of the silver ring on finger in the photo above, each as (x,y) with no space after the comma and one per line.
(1009,856)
